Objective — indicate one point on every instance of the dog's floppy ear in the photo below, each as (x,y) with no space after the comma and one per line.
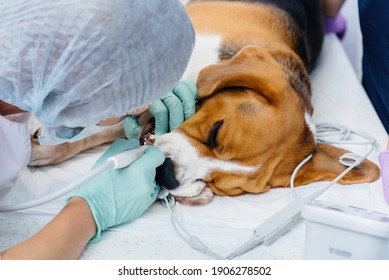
(293,66)
(252,67)
(325,166)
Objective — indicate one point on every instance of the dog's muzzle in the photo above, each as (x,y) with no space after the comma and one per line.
(165,175)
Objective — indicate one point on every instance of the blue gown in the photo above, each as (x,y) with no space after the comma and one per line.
(374,20)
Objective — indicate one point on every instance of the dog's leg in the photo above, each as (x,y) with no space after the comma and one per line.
(8,109)
(53,154)
(203,198)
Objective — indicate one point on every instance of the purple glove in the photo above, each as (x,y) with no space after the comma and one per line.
(337,25)
(384,163)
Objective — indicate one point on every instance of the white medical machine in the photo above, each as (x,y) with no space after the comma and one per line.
(336,232)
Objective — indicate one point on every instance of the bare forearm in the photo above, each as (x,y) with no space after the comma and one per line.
(64,237)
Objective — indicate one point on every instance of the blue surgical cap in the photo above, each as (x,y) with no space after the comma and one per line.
(74,63)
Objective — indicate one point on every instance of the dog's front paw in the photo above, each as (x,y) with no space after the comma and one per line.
(203,198)
(49,154)
(189,189)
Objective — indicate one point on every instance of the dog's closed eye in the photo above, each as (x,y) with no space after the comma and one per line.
(212,137)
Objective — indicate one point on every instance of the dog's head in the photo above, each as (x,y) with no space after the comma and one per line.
(250,130)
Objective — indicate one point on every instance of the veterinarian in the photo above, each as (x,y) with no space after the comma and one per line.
(375,63)
(73,64)
(373,17)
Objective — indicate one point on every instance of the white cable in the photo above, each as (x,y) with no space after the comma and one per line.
(192,240)
(325,130)
(118,161)
(295,172)
(315,195)
(50,197)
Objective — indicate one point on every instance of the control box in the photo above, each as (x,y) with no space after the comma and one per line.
(345,232)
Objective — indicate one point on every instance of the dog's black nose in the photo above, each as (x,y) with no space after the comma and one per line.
(165,175)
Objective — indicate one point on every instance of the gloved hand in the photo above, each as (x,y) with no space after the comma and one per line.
(117,196)
(169,112)
(384,164)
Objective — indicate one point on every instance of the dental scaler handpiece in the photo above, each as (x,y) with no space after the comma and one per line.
(115,162)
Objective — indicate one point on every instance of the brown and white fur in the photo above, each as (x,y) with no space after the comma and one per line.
(252,124)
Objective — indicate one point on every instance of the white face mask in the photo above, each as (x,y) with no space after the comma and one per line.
(15,149)
(62,134)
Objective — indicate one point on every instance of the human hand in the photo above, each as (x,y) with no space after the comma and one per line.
(117,196)
(169,111)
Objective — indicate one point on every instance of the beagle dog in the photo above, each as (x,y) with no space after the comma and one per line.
(252,124)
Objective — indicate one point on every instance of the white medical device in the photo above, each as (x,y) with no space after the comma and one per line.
(284,220)
(345,232)
(115,162)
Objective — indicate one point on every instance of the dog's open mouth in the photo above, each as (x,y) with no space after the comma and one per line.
(165,173)
(147,135)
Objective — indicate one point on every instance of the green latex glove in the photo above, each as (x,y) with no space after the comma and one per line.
(117,196)
(169,112)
